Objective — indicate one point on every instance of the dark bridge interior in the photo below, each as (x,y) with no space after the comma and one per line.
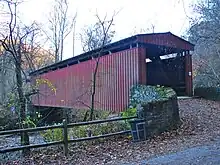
(168,72)
(166,67)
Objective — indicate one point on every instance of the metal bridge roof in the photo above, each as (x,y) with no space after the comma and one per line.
(156,44)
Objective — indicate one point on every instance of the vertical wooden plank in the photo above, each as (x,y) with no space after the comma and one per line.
(114,63)
(186,74)
(64,86)
(71,87)
(106,83)
(118,109)
(191,77)
(130,78)
(137,65)
(67,87)
(133,63)
(142,66)
(122,79)
(188,70)
(116,56)
(101,99)
(119,81)
(97,86)
(111,84)
(65,80)
(65,137)
(126,77)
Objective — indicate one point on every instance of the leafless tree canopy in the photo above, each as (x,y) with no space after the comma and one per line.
(19,46)
(92,35)
(149,29)
(104,36)
(60,26)
(205,33)
(12,44)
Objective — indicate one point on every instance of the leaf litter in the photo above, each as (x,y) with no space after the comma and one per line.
(200,125)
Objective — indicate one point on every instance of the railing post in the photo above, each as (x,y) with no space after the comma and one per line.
(65,137)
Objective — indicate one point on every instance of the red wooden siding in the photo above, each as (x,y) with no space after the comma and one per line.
(167,39)
(189,85)
(117,72)
(142,66)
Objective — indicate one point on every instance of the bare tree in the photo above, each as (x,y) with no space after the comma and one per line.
(13,42)
(6,76)
(205,33)
(92,39)
(92,36)
(150,29)
(60,27)
(35,56)
(2,77)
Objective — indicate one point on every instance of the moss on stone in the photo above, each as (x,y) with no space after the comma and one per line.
(142,94)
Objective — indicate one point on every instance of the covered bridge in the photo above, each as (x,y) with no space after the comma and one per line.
(153,59)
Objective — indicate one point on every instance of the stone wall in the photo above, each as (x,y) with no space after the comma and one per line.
(161,115)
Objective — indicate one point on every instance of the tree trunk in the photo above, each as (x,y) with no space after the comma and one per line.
(24,135)
(3,70)
(57,55)
(94,90)
(61,48)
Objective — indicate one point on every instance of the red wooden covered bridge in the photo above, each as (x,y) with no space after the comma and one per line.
(153,59)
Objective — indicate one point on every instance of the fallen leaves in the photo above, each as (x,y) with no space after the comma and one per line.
(200,124)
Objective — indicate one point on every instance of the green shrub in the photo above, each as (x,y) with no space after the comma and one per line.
(8,119)
(98,129)
(51,135)
(212,93)
(83,131)
(9,114)
(164,92)
(83,115)
(29,122)
(129,112)
(100,114)
(142,94)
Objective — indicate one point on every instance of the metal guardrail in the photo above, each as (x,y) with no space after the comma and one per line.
(65,127)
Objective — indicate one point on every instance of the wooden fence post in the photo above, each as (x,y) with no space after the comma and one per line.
(65,137)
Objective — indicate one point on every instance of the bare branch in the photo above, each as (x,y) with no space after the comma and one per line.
(93,36)
(104,31)
(60,27)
